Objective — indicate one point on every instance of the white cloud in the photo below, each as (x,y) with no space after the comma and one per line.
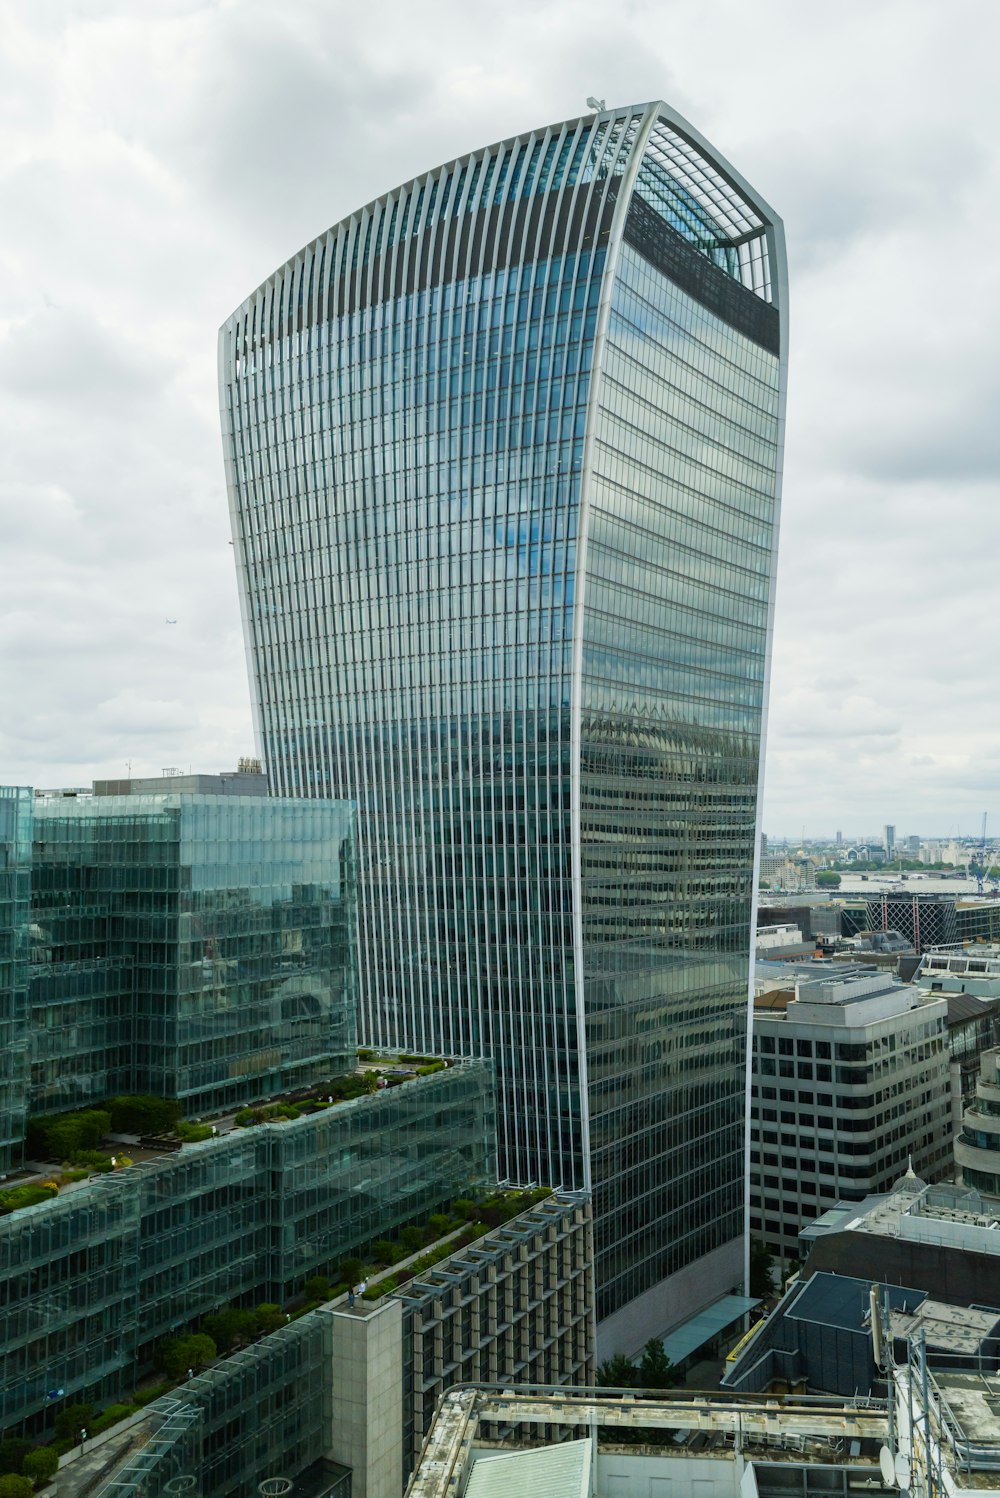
(158,161)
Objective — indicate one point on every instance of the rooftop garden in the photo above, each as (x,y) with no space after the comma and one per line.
(76,1143)
(384,1266)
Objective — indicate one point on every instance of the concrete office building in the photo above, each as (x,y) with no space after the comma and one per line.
(340,1400)
(717,1445)
(939,1238)
(850,1081)
(969,978)
(977,1148)
(503,456)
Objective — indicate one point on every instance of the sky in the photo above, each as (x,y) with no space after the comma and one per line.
(159,158)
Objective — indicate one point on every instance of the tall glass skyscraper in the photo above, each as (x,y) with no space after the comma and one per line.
(503,453)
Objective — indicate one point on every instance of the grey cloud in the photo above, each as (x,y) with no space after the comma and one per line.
(159,161)
(59,354)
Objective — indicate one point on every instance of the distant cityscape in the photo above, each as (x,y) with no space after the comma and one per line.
(462,1095)
(790,865)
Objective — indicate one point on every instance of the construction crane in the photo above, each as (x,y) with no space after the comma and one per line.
(983,865)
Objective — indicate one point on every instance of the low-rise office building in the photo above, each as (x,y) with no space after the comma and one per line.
(92,1278)
(784,939)
(340,1400)
(15,915)
(939,1238)
(248,779)
(195,947)
(941,1437)
(818,1338)
(977,1148)
(850,1080)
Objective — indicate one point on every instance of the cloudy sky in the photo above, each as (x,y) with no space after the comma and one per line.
(158,158)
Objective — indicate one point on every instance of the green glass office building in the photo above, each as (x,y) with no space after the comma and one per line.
(503,452)
(197,947)
(15,909)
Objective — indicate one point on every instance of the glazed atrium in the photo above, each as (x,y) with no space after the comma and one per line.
(503,450)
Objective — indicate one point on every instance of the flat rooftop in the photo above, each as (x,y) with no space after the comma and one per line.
(797,1430)
(974,1401)
(955,1329)
(956,1216)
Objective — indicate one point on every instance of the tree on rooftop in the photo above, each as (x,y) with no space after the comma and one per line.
(656,1371)
(270,1317)
(73,1419)
(14,1486)
(761,1269)
(41,1465)
(618,1372)
(12,1453)
(176,1355)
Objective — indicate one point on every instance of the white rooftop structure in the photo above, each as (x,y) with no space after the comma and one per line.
(939,1438)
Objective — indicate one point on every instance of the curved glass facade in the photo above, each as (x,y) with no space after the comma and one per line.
(503,457)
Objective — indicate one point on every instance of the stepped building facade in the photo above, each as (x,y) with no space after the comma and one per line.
(503,451)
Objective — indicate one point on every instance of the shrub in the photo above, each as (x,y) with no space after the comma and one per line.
(192,1133)
(269,1317)
(364,1054)
(73,1175)
(228,1326)
(248,1116)
(13,1486)
(384,1287)
(464,1208)
(12,1453)
(412,1238)
(73,1419)
(58,1137)
(176,1355)
(92,1159)
(349,1270)
(142,1114)
(385,1252)
(41,1465)
(146,1396)
(16,1197)
(440,1223)
(430,1069)
(317,1287)
(111,1416)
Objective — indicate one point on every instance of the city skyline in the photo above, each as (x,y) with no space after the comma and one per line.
(156,166)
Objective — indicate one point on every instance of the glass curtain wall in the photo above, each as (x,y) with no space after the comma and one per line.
(406,422)
(92,1279)
(197,947)
(15,876)
(680,544)
(502,453)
